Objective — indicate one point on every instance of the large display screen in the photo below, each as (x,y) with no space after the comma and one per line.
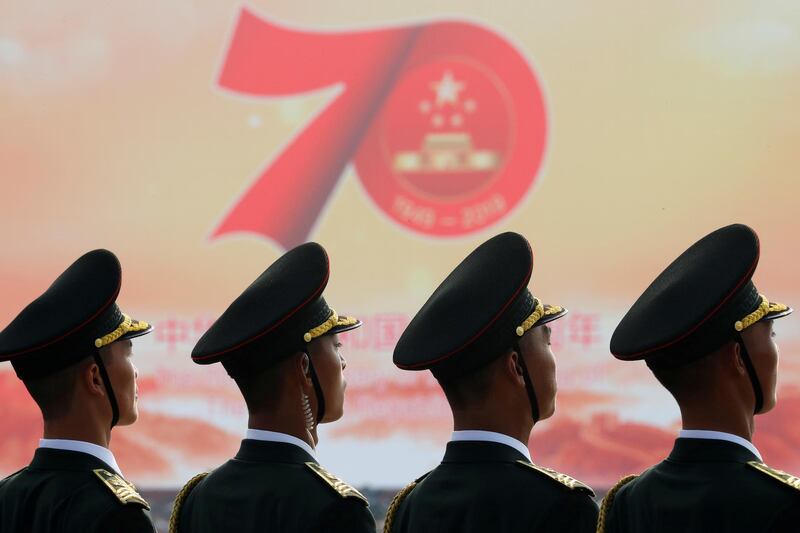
(199,141)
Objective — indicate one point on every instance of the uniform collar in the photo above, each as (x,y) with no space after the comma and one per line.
(275,436)
(719,435)
(272,451)
(491,436)
(480,452)
(691,450)
(104,454)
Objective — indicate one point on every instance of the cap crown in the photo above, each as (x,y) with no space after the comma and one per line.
(690,309)
(61,326)
(268,320)
(472,316)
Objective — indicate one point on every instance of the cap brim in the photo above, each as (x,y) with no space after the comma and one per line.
(138,328)
(778,314)
(345,323)
(549,318)
(134,334)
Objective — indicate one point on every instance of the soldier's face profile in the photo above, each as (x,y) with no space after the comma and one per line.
(541,362)
(760,341)
(123,374)
(329,364)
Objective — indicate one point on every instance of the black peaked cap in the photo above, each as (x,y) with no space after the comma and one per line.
(697,303)
(476,313)
(275,316)
(74,317)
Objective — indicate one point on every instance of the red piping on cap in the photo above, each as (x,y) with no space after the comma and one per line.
(745,279)
(276,324)
(73,330)
(483,330)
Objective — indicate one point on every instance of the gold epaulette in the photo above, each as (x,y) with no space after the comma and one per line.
(124,491)
(606,505)
(564,479)
(180,498)
(774,473)
(342,488)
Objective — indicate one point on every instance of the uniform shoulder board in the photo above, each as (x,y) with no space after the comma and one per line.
(774,473)
(564,479)
(174,517)
(342,488)
(124,491)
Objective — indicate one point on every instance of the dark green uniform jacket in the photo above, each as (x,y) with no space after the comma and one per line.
(59,492)
(275,487)
(484,487)
(706,485)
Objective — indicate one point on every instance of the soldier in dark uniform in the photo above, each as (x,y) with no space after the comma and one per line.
(71,348)
(706,333)
(278,341)
(485,338)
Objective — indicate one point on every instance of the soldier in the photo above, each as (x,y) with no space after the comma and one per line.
(71,348)
(485,338)
(706,334)
(278,341)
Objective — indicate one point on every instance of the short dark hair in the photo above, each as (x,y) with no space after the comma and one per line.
(262,388)
(689,378)
(471,388)
(54,393)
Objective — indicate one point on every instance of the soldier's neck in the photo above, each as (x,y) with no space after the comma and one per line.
(725,418)
(279,420)
(78,428)
(485,420)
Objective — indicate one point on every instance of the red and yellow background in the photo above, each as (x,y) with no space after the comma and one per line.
(665,121)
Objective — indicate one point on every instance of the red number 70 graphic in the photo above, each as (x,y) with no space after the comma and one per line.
(444,121)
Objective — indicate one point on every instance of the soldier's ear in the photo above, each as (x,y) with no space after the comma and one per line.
(736,358)
(304,370)
(91,380)
(513,367)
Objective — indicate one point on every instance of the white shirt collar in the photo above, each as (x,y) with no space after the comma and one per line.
(491,436)
(104,454)
(274,436)
(719,435)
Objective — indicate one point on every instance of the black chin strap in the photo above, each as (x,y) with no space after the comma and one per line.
(751,372)
(317,390)
(528,384)
(107,382)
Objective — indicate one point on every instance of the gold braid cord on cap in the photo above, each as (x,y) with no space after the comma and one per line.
(763,310)
(180,498)
(126,326)
(608,500)
(333,321)
(395,504)
(538,312)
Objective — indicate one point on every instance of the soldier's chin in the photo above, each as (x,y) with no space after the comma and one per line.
(769,405)
(547,413)
(129,418)
(333,415)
